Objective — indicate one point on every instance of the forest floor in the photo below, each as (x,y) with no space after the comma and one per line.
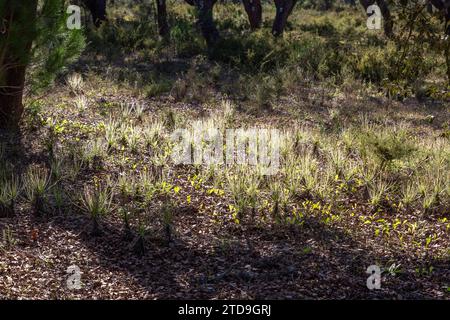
(196,232)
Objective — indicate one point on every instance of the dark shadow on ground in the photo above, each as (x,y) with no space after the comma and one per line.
(281,262)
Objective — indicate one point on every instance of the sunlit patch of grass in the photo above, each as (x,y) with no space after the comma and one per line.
(94,152)
(387,144)
(167,213)
(305,170)
(409,193)
(279,196)
(244,188)
(153,133)
(111,134)
(378,191)
(8,239)
(337,160)
(81,103)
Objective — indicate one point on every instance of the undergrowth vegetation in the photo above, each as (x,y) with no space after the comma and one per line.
(336,46)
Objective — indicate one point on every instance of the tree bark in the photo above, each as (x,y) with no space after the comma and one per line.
(447,57)
(163,26)
(16,38)
(206,21)
(284,9)
(254,12)
(11,105)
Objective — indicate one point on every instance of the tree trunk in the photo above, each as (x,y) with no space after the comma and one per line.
(11,97)
(284,9)
(388,23)
(387,18)
(254,12)
(163,26)
(206,20)
(17,32)
(447,58)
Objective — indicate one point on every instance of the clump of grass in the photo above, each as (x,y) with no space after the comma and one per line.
(126,110)
(111,135)
(337,160)
(264,92)
(74,164)
(57,167)
(130,136)
(139,109)
(138,244)
(75,83)
(127,187)
(279,195)
(9,191)
(129,110)
(94,152)
(323,186)
(194,86)
(229,111)
(275,195)
(237,186)
(54,129)
(301,174)
(170,119)
(146,184)
(252,192)
(157,88)
(387,145)
(81,103)
(409,193)
(372,65)
(133,138)
(9,239)
(59,198)
(429,200)
(167,212)
(433,184)
(36,184)
(153,133)
(97,202)
(125,214)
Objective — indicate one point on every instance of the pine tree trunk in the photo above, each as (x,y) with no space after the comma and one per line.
(11,97)
(284,9)
(14,59)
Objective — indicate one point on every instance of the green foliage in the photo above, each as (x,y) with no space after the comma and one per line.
(317,4)
(53,44)
(97,201)
(387,145)
(15,43)
(372,65)
(184,38)
(157,88)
